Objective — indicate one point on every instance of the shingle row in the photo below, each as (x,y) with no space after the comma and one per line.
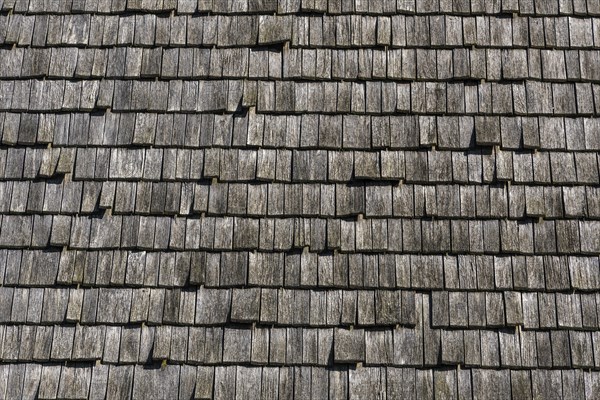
(531,310)
(373,200)
(342,31)
(315,309)
(177,344)
(431,31)
(481,348)
(307,131)
(419,346)
(375,7)
(211,307)
(485,348)
(323,165)
(287,97)
(301,346)
(306,166)
(302,64)
(82,380)
(317,166)
(430,236)
(429,98)
(468,272)
(52,95)
(146,6)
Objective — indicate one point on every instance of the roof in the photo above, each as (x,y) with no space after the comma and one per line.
(299,199)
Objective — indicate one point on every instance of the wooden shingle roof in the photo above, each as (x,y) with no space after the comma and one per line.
(279,199)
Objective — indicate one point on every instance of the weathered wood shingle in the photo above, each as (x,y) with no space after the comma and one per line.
(299,198)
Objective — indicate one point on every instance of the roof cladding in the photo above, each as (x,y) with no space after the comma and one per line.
(299,199)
